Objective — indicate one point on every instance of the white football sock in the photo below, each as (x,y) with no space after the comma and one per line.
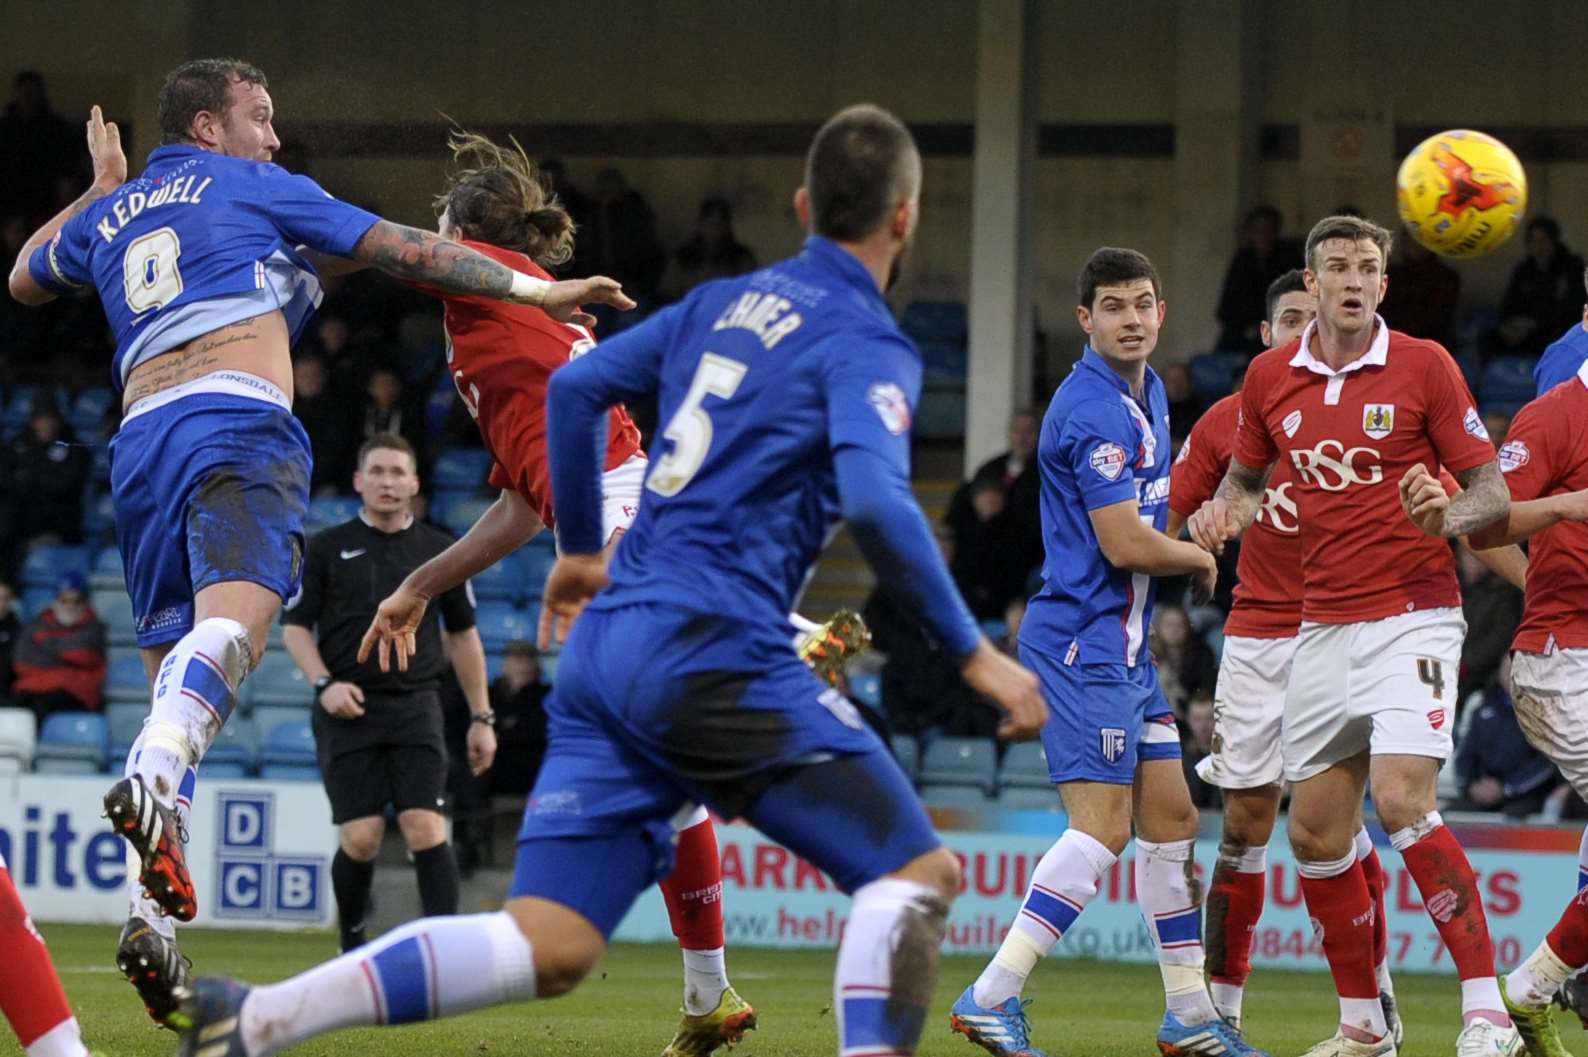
(1533,983)
(1173,912)
(894,924)
(194,692)
(1064,881)
(705,979)
(63,1040)
(429,968)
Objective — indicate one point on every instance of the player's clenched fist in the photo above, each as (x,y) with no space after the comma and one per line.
(1011,687)
(1213,525)
(1424,499)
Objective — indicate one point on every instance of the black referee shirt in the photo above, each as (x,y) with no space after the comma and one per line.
(348,571)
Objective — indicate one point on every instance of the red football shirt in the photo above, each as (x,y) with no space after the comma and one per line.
(1349,436)
(1546,453)
(1268,594)
(501,357)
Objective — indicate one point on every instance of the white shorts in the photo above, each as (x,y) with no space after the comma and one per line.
(1550,691)
(1248,707)
(620,495)
(1386,685)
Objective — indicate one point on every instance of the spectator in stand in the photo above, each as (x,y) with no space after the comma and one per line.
(1493,610)
(1563,359)
(59,659)
(619,238)
(554,174)
(518,697)
(712,252)
(1196,744)
(38,150)
(387,411)
(324,419)
(10,628)
(1545,295)
(996,521)
(41,479)
(1186,667)
(1422,298)
(1497,769)
(1263,257)
(1184,407)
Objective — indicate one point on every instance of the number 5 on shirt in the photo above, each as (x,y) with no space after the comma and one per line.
(690,427)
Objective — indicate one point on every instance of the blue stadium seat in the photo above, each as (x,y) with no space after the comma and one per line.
(461,469)
(125,719)
(1212,374)
(460,516)
(224,769)
(45,564)
(19,402)
(66,765)
(944,321)
(125,682)
(235,747)
(107,574)
(290,772)
(953,797)
(1471,367)
(942,360)
(1023,798)
(1024,766)
(114,608)
(99,517)
(290,743)
(960,761)
(500,624)
(88,410)
(534,566)
(548,667)
(940,414)
(1507,380)
(278,682)
(544,540)
(19,737)
(908,752)
(866,688)
(328,510)
(268,717)
(502,582)
(75,736)
(36,600)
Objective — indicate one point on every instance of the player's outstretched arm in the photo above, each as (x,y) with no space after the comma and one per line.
(1232,508)
(423,256)
(1129,543)
(1529,517)
(110,172)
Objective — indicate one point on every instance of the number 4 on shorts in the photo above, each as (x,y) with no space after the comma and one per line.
(1432,674)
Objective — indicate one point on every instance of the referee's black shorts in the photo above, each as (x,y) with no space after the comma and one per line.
(393,754)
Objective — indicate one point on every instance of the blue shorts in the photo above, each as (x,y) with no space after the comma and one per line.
(207,489)
(658,708)
(1102,719)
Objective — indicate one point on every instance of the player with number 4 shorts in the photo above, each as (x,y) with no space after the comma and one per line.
(203,266)
(1350,407)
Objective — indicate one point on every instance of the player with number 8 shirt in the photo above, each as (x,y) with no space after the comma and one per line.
(1351,406)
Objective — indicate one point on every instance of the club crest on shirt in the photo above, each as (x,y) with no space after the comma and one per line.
(1113,743)
(1473,424)
(1291,423)
(1378,420)
(891,406)
(1108,459)
(1514,455)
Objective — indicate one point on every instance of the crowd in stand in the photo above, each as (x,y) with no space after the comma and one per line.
(374,362)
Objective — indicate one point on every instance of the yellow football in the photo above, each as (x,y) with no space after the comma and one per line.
(1461,193)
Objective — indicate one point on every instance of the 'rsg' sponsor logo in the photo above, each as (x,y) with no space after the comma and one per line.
(1333,467)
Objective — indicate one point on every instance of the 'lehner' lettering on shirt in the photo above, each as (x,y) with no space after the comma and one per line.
(179,191)
(761,313)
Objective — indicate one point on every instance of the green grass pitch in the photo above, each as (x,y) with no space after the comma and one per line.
(629,1005)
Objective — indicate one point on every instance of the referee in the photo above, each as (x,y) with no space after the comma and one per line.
(379,734)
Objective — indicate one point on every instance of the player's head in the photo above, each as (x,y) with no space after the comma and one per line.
(1288,310)
(1121,304)
(1346,256)
(498,196)
(221,105)
(863,182)
(387,478)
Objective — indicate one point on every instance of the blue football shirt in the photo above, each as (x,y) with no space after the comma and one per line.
(1099,446)
(199,240)
(1561,360)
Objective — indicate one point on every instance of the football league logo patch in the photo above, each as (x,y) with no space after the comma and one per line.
(891,406)
(1474,424)
(1113,743)
(1378,420)
(1108,460)
(1514,455)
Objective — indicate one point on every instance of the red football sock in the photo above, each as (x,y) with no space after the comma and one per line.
(1378,884)
(30,992)
(1569,938)
(1450,893)
(1343,908)
(694,890)
(1234,903)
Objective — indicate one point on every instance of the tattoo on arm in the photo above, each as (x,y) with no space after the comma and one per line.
(409,253)
(1484,499)
(1243,488)
(88,198)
